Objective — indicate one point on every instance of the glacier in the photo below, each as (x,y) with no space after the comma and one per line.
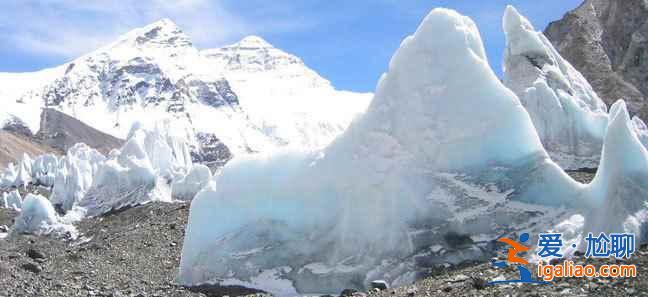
(154,164)
(397,181)
(568,115)
(140,172)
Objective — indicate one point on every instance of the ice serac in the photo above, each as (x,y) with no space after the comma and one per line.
(641,130)
(39,217)
(44,169)
(155,161)
(421,179)
(24,174)
(186,187)
(12,200)
(74,176)
(141,171)
(8,175)
(568,115)
(619,191)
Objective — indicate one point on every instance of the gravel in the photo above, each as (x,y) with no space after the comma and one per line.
(135,252)
(472,281)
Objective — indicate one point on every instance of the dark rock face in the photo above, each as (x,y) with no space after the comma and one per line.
(139,81)
(61,131)
(211,151)
(17,126)
(215,94)
(607,41)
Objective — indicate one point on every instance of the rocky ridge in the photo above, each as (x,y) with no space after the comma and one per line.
(607,41)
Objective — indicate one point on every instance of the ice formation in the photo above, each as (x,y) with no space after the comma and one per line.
(12,200)
(568,115)
(40,170)
(24,174)
(141,171)
(188,186)
(641,130)
(39,217)
(75,175)
(8,176)
(44,169)
(399,180)
(619,191)
(84,182)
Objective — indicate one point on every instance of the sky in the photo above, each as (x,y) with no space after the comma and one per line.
(347,42)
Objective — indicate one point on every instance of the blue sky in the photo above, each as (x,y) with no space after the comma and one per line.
(347,42)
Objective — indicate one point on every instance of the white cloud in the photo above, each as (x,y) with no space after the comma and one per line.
(69,28)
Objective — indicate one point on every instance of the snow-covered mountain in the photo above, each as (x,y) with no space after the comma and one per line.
(250,96)
(282,96)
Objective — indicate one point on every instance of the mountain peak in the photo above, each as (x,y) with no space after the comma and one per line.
(161,33)
(253,41)
(252,54)
(163,22)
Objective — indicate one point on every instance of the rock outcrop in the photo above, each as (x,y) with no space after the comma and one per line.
(607,41)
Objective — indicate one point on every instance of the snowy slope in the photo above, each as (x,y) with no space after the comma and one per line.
(148,74)
(155,73)
(569,116)
(289,101)
(389,197)
(16,95)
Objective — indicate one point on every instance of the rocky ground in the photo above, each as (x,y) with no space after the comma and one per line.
(132,253)
(136,252)
(472,281)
